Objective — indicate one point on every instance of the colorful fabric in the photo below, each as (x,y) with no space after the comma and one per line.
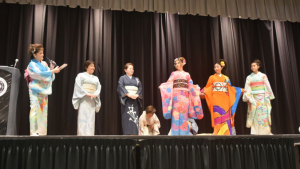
(180,104)
(222,105)
(259,94)
(38,113)
(42,77)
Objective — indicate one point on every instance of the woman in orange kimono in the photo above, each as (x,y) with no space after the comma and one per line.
(222,100)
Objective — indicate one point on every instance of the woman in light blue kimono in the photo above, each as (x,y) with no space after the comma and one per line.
(86,98)
(39,78)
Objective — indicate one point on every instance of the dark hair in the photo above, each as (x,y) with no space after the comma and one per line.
(181,59)
(87,64)
(225,64)
(34,48)
(127,65)
(258,62)
(150,109)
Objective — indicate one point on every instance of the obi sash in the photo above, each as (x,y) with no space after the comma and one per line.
(131,89)
(180,83)
(220,87)
(89,88)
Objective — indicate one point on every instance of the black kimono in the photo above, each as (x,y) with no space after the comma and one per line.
(129,107)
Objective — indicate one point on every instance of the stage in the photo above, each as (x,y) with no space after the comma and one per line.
(147,152)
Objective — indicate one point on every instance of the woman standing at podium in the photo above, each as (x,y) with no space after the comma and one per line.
(86,98)
(40,78)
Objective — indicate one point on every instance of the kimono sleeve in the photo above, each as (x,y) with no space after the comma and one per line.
(79,92)
(35,73)
(122,91)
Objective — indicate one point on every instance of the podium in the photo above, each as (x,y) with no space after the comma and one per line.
(9,90)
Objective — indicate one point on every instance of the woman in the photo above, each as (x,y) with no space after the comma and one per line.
(258,96)
(86,98)
(180,99)
(40,86)
(130,95)
(222,100)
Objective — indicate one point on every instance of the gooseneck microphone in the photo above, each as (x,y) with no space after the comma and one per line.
(16,61)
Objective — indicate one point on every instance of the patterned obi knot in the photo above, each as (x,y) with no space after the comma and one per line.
(256,86)
(220,87)
(180,83)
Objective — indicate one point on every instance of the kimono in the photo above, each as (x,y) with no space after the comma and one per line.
(87,106)
(129,107)
(144,122)
(222,100)
(259,94)
(193,127)
(180,101)
(40,86)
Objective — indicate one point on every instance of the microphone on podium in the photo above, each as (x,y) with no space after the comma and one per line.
(16,61)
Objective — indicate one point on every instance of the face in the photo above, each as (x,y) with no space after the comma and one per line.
(129,71)
(178,65)
(254,67)
(90,69)
(149,115)
(39,56)
(218,68)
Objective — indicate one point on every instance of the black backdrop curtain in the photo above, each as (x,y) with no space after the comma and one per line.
(151,41)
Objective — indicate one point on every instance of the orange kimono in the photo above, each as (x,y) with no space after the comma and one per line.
(222,100)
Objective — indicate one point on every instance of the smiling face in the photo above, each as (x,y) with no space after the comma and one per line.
(39,56)
(218,68)
(254,67)
(90,69)
(129,71)
(178,65)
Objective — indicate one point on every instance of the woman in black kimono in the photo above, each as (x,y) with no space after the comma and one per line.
(130,95)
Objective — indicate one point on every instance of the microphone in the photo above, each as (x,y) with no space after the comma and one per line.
(16,61)
(50,61)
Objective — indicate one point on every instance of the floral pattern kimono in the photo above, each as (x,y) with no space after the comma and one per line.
(40,86)
(259,94)
(180,101)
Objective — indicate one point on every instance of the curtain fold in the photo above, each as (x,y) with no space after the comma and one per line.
(218,153)
(67,153)
(283,10)
(150,41)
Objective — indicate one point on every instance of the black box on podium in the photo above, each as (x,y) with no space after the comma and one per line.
(9,90)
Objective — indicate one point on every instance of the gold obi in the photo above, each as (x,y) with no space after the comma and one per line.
(89,88)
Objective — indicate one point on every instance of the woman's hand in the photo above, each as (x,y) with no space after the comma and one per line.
(249,105)
(202,94)
(56,70)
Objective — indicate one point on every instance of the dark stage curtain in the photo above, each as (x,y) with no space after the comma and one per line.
(151,41)
(225,153)
(67,153)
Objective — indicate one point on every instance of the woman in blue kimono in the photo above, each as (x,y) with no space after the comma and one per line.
(130,95)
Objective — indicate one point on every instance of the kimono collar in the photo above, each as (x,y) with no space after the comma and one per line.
(39,65)
(130,77)
(88,73)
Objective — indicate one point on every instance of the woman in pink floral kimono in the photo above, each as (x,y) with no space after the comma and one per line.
(180,99)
